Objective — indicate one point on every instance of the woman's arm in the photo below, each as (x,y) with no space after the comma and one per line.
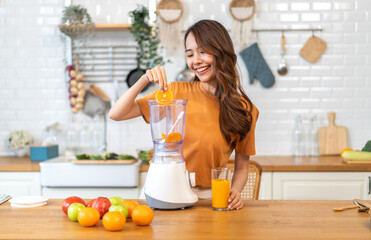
(126,107)
(241,171)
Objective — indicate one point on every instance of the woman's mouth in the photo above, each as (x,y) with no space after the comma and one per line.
(202,70)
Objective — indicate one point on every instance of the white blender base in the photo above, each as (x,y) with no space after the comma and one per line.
(168,187)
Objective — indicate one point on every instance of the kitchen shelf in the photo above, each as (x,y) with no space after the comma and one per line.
(106,27)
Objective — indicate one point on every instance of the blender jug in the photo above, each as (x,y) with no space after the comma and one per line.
(168,182)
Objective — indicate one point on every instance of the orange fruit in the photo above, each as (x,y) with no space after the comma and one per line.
(113,221)
(142,215)
(164,97)
(172,137)
(130,205)
(346,149)
(88,217)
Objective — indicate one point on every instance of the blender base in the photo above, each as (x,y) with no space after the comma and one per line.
(161,205)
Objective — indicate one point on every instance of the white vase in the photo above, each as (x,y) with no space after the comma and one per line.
(22,152)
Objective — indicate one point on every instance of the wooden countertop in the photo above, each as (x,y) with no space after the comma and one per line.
(18,164)
(257,220)
(268,163)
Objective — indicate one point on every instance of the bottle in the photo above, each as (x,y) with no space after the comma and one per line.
(313,131)
(297,137)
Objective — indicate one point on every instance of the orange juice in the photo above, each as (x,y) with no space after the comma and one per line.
(220,189)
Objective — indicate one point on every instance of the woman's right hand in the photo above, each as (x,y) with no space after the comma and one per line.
(157,75)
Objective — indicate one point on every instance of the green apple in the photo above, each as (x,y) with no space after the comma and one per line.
(116,200)
(119,208)
(73,211)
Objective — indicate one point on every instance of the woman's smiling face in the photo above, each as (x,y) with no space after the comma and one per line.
(200,62)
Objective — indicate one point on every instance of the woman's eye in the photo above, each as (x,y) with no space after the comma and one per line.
(189,56)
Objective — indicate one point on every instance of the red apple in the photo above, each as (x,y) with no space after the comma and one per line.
(102,204)
(90,203)
(68,201)
(69,68)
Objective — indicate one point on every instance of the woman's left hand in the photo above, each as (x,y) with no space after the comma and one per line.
(235,201)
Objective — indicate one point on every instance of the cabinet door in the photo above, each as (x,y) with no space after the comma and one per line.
(265,192)
(20,183)
(320,185)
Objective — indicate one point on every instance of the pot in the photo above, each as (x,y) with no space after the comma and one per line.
(133,76)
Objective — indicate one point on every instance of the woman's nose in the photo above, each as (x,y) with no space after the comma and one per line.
(197,58)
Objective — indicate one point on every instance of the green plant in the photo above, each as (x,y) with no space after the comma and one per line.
(147,38)
(76,21)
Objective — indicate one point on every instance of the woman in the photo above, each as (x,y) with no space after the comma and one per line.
(220,117)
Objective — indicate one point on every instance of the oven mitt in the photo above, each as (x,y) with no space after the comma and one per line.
(257,66)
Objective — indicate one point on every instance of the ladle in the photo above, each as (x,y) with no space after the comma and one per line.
(282,67)
(180,115)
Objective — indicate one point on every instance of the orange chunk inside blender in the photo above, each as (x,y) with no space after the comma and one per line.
(172,137)
(164,97)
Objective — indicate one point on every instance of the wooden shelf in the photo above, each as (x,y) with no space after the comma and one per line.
(107,27)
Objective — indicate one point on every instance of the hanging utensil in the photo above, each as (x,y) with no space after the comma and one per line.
(110,78)
(282,67)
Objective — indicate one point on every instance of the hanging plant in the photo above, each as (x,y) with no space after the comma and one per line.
(76,21)
(147,39)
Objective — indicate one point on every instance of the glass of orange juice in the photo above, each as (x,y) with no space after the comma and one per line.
(220,188)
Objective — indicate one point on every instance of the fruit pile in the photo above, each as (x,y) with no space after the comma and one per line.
(113,211)
(76,89)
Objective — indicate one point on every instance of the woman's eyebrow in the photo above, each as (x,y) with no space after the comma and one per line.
(188,50)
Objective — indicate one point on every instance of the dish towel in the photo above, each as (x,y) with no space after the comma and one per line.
(257,66)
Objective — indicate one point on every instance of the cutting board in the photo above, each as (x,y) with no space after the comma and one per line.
(313,49)
(332,139)
(131,161)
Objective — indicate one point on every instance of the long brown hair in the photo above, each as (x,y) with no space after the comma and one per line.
(235,112)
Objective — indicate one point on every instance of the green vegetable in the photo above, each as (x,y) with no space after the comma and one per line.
(125,157)
(82,156)
(356,155)
(367,147)
(145,156)
(96,157)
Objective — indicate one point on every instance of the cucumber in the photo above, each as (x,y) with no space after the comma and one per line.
(356,155)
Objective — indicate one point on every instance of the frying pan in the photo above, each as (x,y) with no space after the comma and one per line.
(134,76)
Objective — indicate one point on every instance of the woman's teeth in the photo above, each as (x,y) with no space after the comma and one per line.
(202,69)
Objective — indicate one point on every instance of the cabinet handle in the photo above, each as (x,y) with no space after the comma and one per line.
(369,185)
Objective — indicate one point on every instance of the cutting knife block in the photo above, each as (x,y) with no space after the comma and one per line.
(332,139)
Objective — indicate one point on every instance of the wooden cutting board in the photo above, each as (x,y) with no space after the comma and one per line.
(131,161)
(332,139)
(313,49)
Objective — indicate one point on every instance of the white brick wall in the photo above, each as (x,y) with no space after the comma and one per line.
(33,91)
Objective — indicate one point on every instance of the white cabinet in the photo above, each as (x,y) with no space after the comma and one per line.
(320,185)
(20,183)
(90,193)
(265,191)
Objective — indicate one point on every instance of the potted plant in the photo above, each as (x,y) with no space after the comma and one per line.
(148,42)
(20,141)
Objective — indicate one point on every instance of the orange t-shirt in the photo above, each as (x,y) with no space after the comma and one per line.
(204,146)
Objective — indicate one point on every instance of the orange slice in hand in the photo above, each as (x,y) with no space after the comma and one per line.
(164,97)
(172,137)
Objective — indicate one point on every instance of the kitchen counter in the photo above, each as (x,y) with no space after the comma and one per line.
(257,220)
(268,163)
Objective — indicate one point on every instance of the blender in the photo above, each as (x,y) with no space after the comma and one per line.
(168,183)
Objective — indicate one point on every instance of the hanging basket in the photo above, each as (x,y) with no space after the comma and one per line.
(170,11)
(242,10)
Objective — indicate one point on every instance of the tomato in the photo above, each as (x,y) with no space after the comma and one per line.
(114,221)
(88,217)
(68,201)
(90,203)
